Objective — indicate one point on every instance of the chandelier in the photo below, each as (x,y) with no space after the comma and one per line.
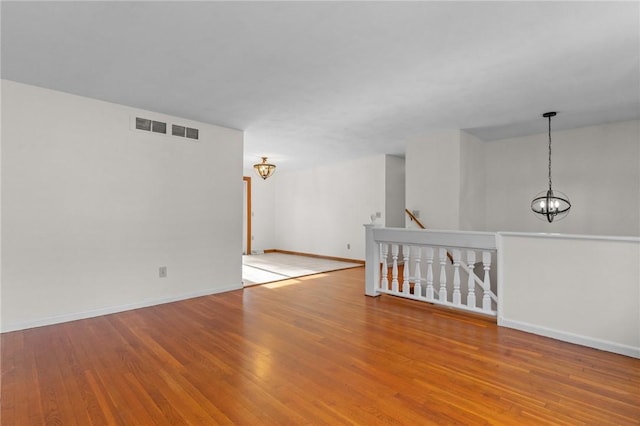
(264,169)
(550,204)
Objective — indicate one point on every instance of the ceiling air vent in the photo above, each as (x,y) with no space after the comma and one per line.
(192,133)
(178,130)
(143,124)
(151,125)
(159,127)
(182,131)
(154,126)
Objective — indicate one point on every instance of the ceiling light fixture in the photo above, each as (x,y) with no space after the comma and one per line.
(264,169)
(548,204)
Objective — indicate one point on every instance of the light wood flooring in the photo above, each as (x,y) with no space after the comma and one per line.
(315,351)
(269,267)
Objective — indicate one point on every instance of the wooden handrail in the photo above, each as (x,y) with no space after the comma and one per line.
(449,255)
(415,219)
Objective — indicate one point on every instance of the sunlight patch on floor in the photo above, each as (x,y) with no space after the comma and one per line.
(279,284)
(272,267)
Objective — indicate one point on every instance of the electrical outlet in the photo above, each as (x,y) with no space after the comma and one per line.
(378,214)
(162,272)
(348,246)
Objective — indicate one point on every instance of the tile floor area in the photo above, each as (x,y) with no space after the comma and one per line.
(269,267)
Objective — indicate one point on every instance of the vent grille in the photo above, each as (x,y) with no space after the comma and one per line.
(159,127)
(143,124)
(178,130)
(192,133)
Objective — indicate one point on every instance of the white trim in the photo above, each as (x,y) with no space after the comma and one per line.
(571,337)
(499,275)
(436,238)
(571,236)
(112,309)
(448,304)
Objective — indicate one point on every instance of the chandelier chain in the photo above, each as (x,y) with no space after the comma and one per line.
(550,153)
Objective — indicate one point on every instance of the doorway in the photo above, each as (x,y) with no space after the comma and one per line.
(246,215)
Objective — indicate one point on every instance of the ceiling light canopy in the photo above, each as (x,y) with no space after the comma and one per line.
(550,204)
(264,169)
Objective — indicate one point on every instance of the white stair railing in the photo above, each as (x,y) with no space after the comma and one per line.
(436,246)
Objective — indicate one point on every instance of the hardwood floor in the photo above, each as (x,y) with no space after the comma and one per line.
(307,351)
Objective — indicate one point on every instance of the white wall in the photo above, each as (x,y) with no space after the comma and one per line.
(322,209)
(394,189)
(472,183)
(598,167)
(1,185)
(91,209)
(263,208)
(329,195)
(433,179)
(583,290)
(460,182)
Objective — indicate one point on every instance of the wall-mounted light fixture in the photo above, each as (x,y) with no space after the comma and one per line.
(550,204)
(264,169)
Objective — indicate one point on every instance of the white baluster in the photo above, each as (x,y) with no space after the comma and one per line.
(384,252)
(417,287)
(405,269)
(457,296)
(486,298)
(471,282)
(429,255)
(394,270)
(443,276)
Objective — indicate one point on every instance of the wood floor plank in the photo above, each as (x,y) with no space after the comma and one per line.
(307,351)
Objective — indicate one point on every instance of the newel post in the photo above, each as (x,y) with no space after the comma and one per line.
(372,262)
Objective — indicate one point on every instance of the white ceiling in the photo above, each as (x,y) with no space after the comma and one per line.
(315,82)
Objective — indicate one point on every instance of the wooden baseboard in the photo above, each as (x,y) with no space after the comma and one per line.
(317,256)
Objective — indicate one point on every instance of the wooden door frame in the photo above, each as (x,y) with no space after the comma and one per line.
(248,180)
